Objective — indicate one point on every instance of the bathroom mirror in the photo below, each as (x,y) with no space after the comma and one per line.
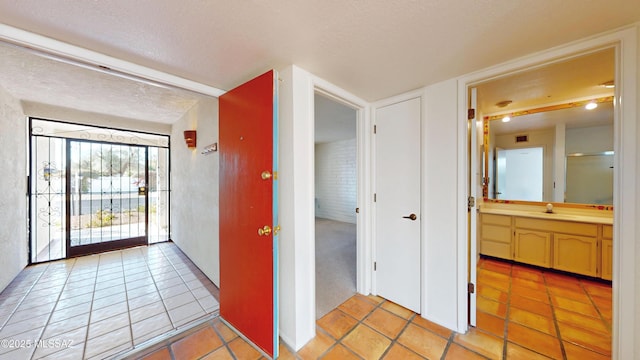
(562,155)
(540,142)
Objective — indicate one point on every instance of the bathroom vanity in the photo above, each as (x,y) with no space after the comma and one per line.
(580,244)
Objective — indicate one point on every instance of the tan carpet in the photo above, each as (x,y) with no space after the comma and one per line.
(335,264)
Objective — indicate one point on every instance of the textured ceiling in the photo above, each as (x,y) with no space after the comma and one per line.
(372,49)
(37,81)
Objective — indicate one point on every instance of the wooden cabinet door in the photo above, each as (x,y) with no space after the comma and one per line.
(607,259)
(576,254)
(532,247)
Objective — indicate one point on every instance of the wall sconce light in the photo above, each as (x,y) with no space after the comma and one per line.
(190,138)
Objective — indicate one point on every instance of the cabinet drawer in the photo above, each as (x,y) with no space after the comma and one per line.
(607,232)
(504,220)
(496,249)
(567,227)
(496,233)
(576,254)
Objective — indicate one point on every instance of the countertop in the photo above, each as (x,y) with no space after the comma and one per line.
(553,216)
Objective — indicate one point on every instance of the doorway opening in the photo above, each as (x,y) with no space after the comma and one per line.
(95,189)
(538,281)
(519,173)
(336,195)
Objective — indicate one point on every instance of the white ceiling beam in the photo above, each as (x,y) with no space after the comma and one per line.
(86,58)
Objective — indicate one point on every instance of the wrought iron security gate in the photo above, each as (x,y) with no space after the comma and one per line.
(95,189)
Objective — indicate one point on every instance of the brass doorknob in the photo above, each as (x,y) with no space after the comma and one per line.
(265,175)
(412,217)
(264,231)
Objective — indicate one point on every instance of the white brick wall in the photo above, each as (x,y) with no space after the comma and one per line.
(336,185)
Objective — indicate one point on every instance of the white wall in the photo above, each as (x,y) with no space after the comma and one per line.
(440,204)
(51,112)
(13,202)
(632,106)
(194,189)
(593,139)
(297,215)
(336,181)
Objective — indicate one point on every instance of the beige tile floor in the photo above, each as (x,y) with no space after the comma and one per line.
(96,306)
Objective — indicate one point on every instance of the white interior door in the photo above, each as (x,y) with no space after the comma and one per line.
(523,170)
(397,203)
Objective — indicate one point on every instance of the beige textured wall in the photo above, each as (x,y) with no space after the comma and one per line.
(194,189)
(13,182)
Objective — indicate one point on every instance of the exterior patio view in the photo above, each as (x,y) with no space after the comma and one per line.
(95,192)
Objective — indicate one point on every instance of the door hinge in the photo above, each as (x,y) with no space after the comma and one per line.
(471,202)
(375,266)
(471,114)
(471,288)
(375,129)
(375,197)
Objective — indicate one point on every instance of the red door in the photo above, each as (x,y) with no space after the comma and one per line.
(248,210)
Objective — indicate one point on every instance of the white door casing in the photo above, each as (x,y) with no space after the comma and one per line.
(625,229)
(474,182)
(397,203)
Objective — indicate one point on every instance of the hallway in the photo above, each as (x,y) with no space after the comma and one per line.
(97,306)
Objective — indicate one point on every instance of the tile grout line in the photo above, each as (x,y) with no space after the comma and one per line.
(120,252)
(339,341)
(126,299)
(225,343)
(155,284)
(24,297)
(553,316)
(183,281)
(507,314)
(103,267)
(506,319)
(606,323)
(582,284)
(51,312)
(446,348)
(56,305)
(394,341)
(93,294)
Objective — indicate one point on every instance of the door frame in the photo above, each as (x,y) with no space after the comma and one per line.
(361,281)
(297,208)
(624,41)
(363,247)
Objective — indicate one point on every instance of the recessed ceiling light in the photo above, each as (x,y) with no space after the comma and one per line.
(591,105)
(506,118)
(609,84)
